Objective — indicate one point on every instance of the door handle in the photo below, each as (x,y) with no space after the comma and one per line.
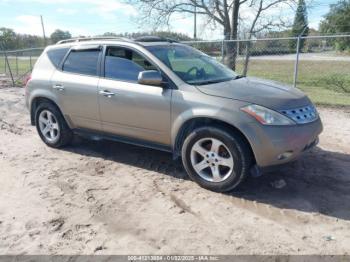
(58,87)
(107,93)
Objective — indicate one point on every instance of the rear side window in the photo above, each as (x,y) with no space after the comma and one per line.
(82,62)
(56,55)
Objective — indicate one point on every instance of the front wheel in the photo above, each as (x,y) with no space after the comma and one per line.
(216,159)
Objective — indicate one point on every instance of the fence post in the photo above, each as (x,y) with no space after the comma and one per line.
(17,63)
(5,64)
(222,51)
(296,66)
(8,64)
(30,61)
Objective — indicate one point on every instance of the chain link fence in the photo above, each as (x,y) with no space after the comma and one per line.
(17,64)
(279,58)
(318,66)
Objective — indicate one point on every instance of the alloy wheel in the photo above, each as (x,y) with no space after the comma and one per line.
(48,126)
(212,160)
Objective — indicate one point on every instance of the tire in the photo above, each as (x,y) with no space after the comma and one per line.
(62,135)
(232,146)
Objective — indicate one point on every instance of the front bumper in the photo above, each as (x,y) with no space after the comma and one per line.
(276,145)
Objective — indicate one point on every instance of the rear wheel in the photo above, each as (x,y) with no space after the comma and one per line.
(51,126)
(216,159)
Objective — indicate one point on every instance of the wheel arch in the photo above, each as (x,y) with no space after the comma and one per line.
(36,101)
(197,122)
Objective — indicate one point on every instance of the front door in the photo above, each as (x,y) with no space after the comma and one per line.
(128,108)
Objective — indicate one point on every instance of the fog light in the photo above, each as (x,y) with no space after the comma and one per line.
(285,155)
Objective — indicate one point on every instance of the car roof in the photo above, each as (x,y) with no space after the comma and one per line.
(143,41)
(104,42)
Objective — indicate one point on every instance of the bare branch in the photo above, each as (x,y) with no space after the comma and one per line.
(221,12)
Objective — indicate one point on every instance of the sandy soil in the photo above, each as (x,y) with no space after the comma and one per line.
(111,198)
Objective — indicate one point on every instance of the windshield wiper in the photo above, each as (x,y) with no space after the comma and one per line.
(214,81)
(239,77)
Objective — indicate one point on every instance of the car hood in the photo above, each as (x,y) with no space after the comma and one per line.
(267,93)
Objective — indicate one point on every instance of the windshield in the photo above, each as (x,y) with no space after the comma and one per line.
(191,65)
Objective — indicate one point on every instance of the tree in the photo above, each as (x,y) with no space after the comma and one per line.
(108,34)
(59,35)
(7,38)
(337,22)
(300,25)
(219,12)
(11,40)
(269,23)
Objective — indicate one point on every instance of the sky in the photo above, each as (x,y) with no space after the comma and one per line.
(94,17)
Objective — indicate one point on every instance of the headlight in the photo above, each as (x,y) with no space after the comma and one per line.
(267,116)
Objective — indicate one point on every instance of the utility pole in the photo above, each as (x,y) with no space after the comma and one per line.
(42,25)
(195,21)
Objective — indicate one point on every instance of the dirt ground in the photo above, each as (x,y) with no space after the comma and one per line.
(110,198)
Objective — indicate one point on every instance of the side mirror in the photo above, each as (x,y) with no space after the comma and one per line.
(150,77)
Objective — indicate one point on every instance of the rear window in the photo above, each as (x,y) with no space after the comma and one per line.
(82,62)
(56,55)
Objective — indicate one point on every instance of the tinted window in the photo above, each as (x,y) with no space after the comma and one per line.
(82,62)
(56,55)
(125,64)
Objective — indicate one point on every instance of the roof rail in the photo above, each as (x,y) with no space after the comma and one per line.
(82,39)
(152,38)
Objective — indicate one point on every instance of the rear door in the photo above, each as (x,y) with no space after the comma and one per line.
(76,85)
(128,108)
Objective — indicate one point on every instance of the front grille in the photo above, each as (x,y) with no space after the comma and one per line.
(302,115)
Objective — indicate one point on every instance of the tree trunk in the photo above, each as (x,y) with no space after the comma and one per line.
(230,52)
(231,33)
(247,57)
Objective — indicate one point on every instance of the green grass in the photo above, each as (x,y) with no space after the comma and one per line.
(18,69)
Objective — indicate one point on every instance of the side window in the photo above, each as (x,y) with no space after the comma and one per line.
(56,55)
(125,64)
(82,62)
